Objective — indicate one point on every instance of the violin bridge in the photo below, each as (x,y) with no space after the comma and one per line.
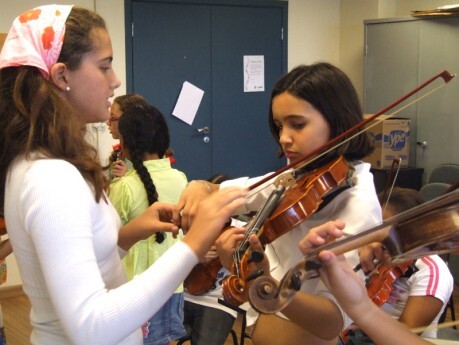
(286,179)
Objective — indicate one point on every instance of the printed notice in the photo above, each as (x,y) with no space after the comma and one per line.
(254,73)
(188,103)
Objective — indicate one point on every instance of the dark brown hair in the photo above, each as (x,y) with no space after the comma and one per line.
(36,117)
(402,199)
(331,92)
(144,130)
(130,99)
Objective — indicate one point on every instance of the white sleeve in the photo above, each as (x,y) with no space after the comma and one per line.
(81,268)
(432,279)
(256,197)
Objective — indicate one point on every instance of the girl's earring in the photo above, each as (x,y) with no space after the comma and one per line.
(67,89)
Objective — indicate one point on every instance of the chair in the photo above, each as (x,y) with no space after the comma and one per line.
(433,190)
(445,173)
(441,178)
(243,335)
(187,337)
(243,313)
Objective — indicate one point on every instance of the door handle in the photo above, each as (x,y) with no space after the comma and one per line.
(203,130)
(423,144)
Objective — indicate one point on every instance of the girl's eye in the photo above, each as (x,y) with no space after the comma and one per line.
(106,68)
(298,125)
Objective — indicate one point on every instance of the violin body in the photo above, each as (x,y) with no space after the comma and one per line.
(304,198)
(202,277)
(379,284)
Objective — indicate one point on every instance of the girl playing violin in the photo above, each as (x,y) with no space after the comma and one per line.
(420,294)
(309,106)
(351,293)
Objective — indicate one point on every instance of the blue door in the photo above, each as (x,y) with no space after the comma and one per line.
(205,44)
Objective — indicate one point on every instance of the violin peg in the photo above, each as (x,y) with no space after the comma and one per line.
(255,274)
(255,256)
(312,264)
(295,283)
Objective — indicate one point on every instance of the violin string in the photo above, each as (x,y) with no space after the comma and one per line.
(393,184)
(254,192)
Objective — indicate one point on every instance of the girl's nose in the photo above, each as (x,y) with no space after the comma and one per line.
(285,137)
(116,82)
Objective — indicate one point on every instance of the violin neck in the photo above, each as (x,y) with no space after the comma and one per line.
(256,224)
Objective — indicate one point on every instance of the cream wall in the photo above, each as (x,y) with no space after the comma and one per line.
(313,32)
(325,30)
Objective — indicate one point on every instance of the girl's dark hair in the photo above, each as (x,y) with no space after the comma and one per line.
(331,92)
(218,178)
(130,99)
(402,199)
(124,102)
(144,130)
(35,116)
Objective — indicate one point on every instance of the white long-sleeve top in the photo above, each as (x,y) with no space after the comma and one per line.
(357,206)
(66,247)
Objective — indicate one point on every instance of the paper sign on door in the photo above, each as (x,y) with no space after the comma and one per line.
(188,103)
(254,73)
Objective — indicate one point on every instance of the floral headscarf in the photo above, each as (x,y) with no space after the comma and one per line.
(36,38)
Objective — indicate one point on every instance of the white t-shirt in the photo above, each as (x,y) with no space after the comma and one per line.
(66,247)
(432,278)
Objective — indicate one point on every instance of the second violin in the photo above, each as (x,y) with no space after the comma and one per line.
(380,282)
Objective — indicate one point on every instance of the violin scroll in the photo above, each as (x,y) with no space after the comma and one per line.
(263,296)
(235,290)
(267,296)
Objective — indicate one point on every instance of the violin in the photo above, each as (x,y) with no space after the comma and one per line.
(304,197)
(380,282)
(203,275)
(430,228)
